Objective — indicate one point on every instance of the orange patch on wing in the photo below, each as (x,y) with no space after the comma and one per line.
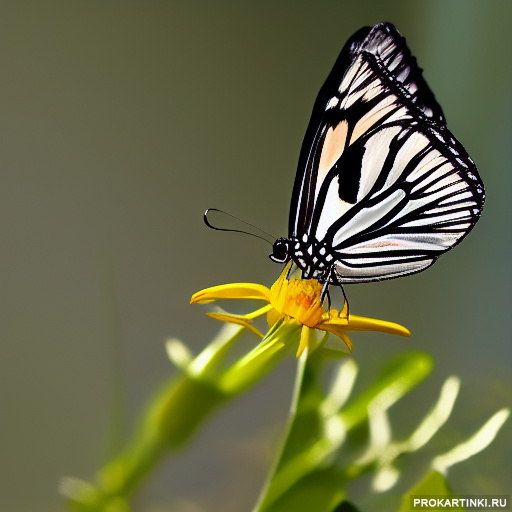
(333,147)
(371,118)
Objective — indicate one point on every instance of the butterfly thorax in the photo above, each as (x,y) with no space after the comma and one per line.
(311,256)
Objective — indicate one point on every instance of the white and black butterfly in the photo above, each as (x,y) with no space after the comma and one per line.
(382,188)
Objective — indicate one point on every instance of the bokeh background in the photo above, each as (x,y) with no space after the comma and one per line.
(119,124)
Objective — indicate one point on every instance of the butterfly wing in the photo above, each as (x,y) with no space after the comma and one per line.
(381,181)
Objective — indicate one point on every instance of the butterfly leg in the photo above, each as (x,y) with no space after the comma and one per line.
(333,275)
(325,293)
(325,290)
(345,299)
(291,270)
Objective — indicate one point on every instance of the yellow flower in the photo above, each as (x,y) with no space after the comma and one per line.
(295,301)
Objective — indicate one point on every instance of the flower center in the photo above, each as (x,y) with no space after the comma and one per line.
(299,299)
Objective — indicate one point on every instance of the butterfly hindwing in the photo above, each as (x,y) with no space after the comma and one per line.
(382,184)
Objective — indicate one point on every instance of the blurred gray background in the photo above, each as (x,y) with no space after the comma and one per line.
(120,123)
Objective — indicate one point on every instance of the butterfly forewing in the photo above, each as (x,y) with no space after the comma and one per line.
(382,186)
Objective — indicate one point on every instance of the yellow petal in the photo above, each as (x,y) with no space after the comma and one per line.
(231,291)
(335,318)
(304,340)
(273,316)
(338,330)
(361,323)
(347,341)
(259,312)
(236,319)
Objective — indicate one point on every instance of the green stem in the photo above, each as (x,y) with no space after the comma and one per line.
(175,414)
(170,420)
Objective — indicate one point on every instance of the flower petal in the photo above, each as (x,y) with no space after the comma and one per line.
(361,323)
(334,317)
(338,330)
(304,340)
(247,316)
(236,319)
(231,291)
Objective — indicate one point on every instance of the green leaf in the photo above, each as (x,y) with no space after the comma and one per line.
(319,491)
(434,484)
(306,476)
(345,506)
(401,376)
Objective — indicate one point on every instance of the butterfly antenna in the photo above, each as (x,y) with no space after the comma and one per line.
(210,225)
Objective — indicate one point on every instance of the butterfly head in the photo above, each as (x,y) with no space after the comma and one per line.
(281,250)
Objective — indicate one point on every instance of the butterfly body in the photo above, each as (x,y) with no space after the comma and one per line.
(314,258)
(382,188)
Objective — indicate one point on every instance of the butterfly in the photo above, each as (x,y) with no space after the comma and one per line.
(382,187)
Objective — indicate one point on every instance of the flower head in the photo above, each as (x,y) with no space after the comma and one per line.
(294,301)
